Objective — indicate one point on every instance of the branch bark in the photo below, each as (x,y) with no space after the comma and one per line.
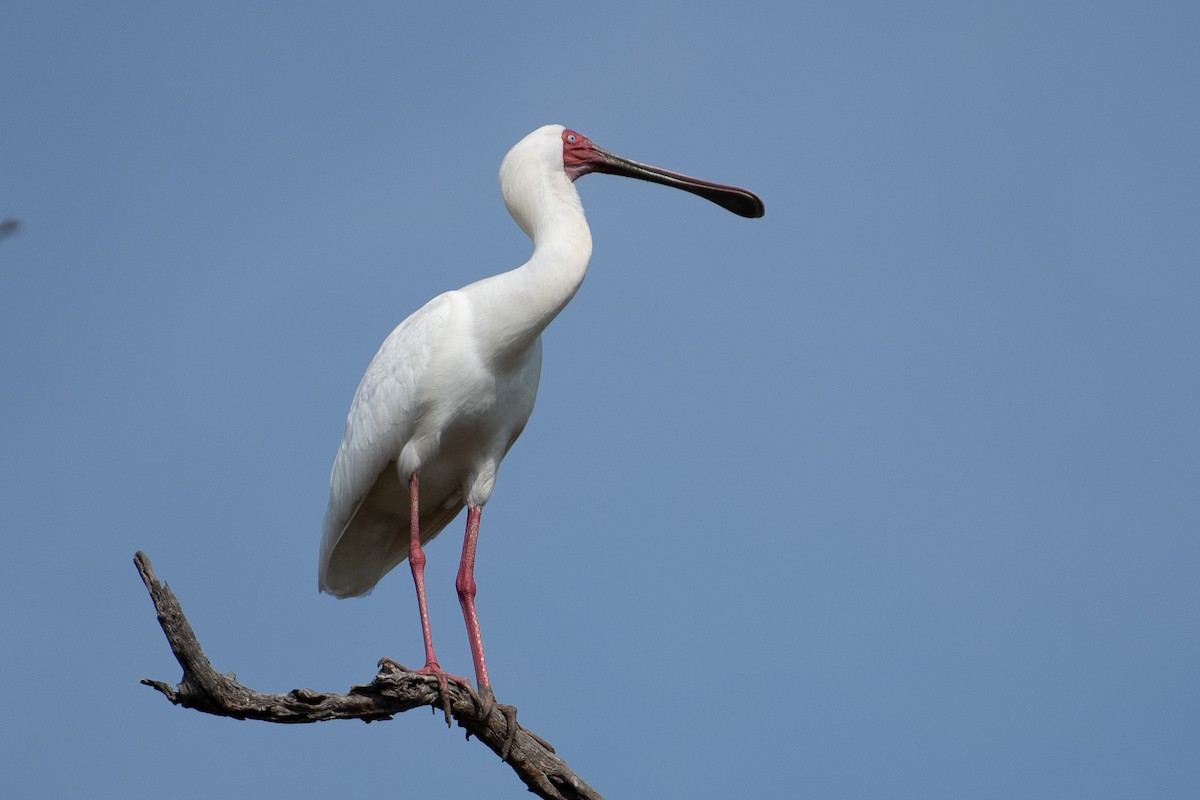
(394,690)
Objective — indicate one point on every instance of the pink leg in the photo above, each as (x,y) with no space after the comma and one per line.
(466,597)
(416,561)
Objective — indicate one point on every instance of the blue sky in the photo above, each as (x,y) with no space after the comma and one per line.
(891,493)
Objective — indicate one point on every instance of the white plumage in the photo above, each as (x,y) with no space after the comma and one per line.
(452,387)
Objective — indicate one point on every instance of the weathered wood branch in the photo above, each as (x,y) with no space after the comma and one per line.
(393,690)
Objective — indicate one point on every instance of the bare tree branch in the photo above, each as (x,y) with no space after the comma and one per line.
(394,690)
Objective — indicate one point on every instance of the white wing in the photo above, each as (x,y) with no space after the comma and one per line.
(360,543)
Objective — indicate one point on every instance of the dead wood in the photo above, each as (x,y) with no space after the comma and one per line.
(393,690)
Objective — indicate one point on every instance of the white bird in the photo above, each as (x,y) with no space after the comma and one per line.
(452,387)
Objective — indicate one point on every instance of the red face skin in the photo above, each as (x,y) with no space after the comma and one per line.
(579,154)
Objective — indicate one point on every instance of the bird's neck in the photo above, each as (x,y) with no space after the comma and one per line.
(516,306)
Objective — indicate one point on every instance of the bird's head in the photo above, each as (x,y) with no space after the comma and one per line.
(532,173)
(546,161)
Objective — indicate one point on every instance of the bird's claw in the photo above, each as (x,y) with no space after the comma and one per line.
(548,747)
(443,678)
(510,728)
(485,700)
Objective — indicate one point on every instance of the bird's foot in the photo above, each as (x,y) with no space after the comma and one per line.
(443,678)
(485,700)
(510,728)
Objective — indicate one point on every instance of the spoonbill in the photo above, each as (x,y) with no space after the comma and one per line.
(452,387)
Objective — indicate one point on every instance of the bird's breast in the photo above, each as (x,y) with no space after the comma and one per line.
(468,417)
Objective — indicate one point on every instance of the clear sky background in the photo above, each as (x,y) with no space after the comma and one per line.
(894,492)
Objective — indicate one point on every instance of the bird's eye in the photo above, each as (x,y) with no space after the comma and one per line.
(571,138)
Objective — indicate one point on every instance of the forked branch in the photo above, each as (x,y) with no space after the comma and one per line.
(393,690)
